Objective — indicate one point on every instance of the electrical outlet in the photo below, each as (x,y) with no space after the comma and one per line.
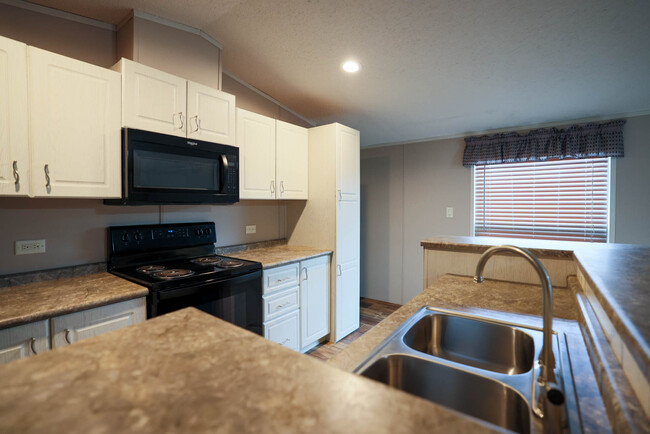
(450,212)
(251,229)
(28,247)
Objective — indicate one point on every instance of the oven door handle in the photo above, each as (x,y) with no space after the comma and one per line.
(223,173)
(203,287)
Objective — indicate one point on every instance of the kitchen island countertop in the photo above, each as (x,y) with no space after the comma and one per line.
(191,372)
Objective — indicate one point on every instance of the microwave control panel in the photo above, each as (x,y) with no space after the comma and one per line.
(232,176)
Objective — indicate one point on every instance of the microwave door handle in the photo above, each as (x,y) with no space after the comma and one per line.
(223,172)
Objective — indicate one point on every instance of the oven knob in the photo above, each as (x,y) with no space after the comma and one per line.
(207,231)
(125,237)
(198,232)
(137,236)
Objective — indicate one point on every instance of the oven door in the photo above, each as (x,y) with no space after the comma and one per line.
(237,300)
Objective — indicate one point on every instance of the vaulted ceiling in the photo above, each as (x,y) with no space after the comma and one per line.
(430,68)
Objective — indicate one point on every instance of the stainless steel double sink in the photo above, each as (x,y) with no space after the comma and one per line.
(478,366)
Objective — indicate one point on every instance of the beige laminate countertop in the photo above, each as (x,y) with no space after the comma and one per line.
(191,372)
(23,304)
(278,255)
(619,274)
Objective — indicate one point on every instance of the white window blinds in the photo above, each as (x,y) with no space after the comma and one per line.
(553,200)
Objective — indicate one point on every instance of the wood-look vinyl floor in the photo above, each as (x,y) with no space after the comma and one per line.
(372,312)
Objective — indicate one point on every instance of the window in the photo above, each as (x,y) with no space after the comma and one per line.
(553,200)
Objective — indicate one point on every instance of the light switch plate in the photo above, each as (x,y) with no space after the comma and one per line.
(251,229)
(27,247)
(450,212)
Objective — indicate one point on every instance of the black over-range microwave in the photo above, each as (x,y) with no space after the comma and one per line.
(164,169)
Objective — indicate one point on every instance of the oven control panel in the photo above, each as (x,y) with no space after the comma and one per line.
(130,239)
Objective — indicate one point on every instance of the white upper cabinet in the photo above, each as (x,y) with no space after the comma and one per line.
(210,114)
(256,141)
(156,101)
(292,161)
(347,163)
(14,151)
(74,127)
(152,100)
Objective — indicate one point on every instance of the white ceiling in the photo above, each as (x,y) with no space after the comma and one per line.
(430,68)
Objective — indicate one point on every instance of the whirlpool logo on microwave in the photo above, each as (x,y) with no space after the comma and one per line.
(192,143)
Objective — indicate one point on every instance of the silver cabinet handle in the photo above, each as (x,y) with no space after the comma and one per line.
(46,168)
(285,341)
(197,121)
(306,274)
(280,306)
(281,187)
(32,345)
(67,336)
(340,196)
(338,270)
(272,187)
(16,176)
(181,118)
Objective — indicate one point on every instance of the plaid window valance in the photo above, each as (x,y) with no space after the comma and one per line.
(603,139)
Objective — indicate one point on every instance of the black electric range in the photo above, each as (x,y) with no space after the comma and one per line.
(177,262)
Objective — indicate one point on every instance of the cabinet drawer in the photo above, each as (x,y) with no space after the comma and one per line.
(24,341)
(85,324)
(281,302)
(284,330)
(281,277)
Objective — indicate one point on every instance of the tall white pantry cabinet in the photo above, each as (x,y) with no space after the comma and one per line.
(331,218)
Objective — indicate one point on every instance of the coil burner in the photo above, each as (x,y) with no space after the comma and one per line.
(174,273)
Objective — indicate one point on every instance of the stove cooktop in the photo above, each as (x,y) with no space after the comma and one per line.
(185,272)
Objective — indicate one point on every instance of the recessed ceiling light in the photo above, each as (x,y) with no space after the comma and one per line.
(350,66)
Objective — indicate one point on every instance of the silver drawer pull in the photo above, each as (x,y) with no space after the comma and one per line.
(32,345)
(285,341)
(339,272)
(67,336)
(16,176)
(340,196)
(280,306)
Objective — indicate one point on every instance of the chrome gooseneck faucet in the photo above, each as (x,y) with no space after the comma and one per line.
(546,359)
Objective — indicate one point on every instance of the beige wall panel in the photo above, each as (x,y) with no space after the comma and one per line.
(177,52)
(509,268)
(77,40)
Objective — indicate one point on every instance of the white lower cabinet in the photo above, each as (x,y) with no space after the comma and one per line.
(77,326)
(296,303)
(24,341)
(34,338)
(284,330)
(314,300)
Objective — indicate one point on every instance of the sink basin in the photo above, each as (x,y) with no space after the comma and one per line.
(463,391)
(482,344)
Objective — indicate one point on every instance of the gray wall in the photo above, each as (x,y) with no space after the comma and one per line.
(430,177)
(74,230)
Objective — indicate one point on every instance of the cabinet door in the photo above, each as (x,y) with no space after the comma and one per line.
(292,161)
(347,258)
(24,341)
(210,114)
(77,326)
(74,127)
(14,153)
(256,141)
(153,100)
(314,300)
(284,330)
(347,163)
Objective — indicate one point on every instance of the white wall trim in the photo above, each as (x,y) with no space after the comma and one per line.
(270,98)
(511,129)
(175,25)
(611,224)
(59,14)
